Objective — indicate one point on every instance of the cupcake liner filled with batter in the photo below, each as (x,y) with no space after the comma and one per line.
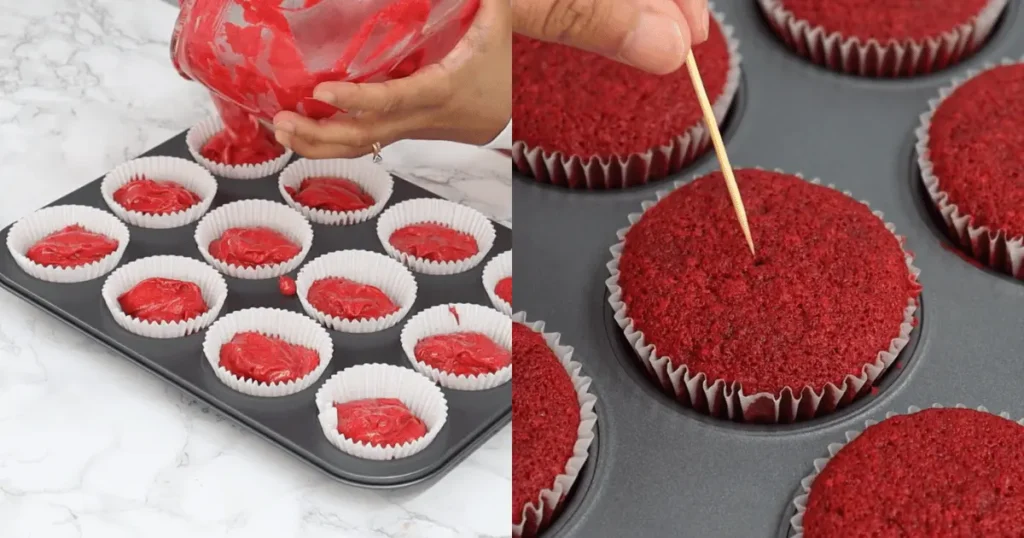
(159,192)
(497,281)
(356,291)
(970,177)
(885,39)
(435,236)
(381,411)
(336,191)
(200,134)
(267,352)
(927,472)
(535,504)
(254,239)
(165,296)
(586,122)
(827,340)
(68,244)
(460,346)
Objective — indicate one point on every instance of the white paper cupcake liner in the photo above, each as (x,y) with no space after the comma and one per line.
(892,58)
(796,523)
(499,268)
(728,400)
(249,214)
(366,268)
(435,210)
(291,327)
(185,173)
(537,514)
(202,132)
(423,398)
(622,171)
(438,320)
(373,179)
(126,277)
(990,246)
(30,230)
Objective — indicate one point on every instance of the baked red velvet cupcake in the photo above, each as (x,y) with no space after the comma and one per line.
(460,346)
(336,191)
(584,121)
(840,288)
(936,472)
(552,425)
(254,239)
(970,149)
(883,39)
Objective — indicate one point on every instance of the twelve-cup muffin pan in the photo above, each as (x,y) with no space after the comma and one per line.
(290,422)
(659,469)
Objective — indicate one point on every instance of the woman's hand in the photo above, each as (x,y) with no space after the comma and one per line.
(653,35)
(467,97)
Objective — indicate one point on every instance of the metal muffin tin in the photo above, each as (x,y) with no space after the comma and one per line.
(659,469)
(289,422)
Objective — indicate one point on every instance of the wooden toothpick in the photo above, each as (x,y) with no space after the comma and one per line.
(716,139)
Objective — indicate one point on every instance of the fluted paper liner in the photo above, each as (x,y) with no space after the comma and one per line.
(250,214)
(291,327)
(423,398)
(439,320)
(126,277)
(372,178)
(31,229)
(499,268)
(990,246)
(796,523)
(537,514)
(718,398)
(892,58)
(202,132)
(630,170)
(366,268)
(185,173)
(437,211)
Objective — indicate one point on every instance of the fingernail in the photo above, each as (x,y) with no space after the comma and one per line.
(285,126)
(656,44)
(705,27)
(326,97)
(282,137)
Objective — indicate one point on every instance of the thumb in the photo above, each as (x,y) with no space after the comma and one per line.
(648,34)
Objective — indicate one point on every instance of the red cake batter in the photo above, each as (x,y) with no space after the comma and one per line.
(73,246)
(253,247)
(434,242)
(545,418)
(824,295)
(163,300)
(267,359)
(892,19)
(155,197)
(582,104)
(245,147)
(286,285)
(464,353)
(348,299)
(977,148)
(504,289)
(331,194)
(379,422)
(939,472)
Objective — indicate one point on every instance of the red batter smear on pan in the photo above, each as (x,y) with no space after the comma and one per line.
(434,242)
(155,197)
(73,246)
(347,299)
(163,300)
(267,359)
(331,194)
(465,353)
(379,422)
(253,247)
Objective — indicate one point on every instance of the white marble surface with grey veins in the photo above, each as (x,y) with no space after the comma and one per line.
(90,445)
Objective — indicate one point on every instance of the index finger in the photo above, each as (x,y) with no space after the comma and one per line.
(425,88)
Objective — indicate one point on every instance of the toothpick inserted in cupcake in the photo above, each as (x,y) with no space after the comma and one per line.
(716,140)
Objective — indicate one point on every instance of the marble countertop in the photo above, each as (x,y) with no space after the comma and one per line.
(90,445)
